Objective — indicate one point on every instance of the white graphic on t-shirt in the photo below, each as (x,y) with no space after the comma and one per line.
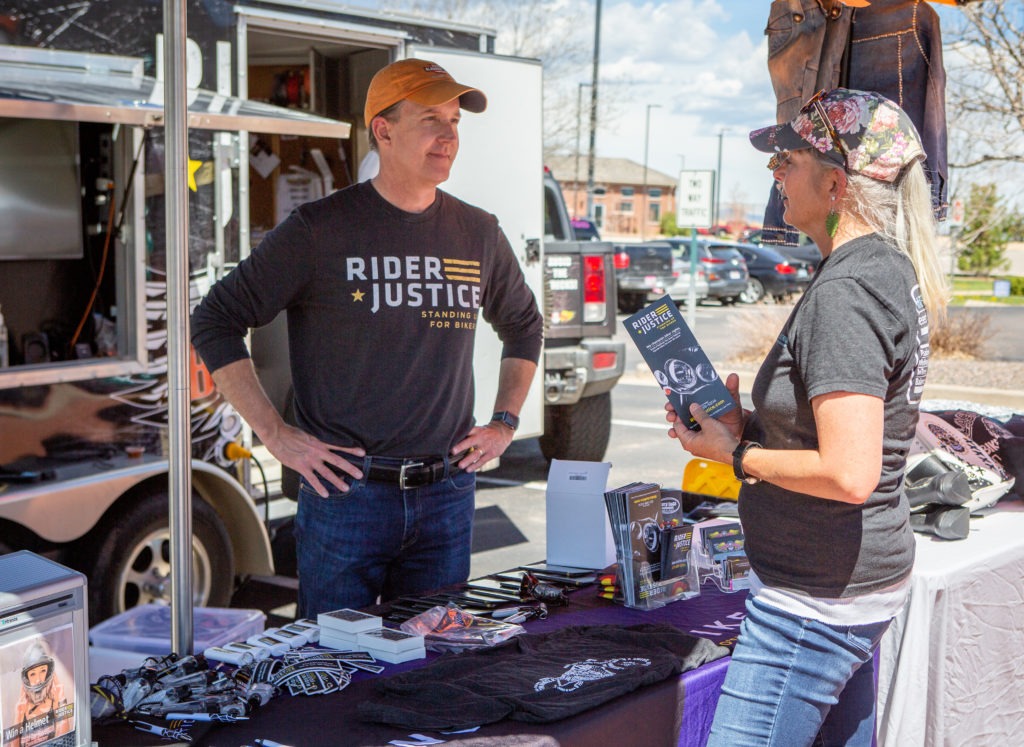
(916,388)
(589,670)
(416,282)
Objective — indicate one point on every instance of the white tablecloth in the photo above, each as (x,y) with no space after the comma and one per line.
(951,667)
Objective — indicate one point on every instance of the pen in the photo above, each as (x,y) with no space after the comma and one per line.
(204,717)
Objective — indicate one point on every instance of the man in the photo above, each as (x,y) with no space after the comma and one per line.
(382,282)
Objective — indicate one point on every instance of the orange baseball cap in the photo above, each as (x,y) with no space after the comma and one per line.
(420,81)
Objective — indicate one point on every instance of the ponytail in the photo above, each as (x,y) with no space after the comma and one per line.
(902,213)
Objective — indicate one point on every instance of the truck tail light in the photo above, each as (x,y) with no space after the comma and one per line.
(621,260)
(595,294)
(604,360)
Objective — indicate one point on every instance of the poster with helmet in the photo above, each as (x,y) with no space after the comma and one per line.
(37,688)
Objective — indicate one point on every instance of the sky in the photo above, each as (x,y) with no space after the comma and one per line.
(704,63)
(701,67)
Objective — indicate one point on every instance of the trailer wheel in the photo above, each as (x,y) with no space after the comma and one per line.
(132,563)
(580,431)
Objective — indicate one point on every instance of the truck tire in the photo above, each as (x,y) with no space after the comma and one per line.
(580,431)
(131,565)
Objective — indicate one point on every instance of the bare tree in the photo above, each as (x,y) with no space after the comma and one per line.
(540,29)
(985,86)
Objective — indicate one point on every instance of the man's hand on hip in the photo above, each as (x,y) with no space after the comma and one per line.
(310,457)
(486,442)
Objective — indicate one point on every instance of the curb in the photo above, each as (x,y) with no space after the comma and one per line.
(1010,398)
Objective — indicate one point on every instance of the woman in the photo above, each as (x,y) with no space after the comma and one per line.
(823,453)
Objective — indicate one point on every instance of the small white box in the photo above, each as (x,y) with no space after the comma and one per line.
(397,658)
(578,531)
(387,639)
(338,640)
(348,621)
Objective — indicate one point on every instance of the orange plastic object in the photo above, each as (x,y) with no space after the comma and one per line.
(711,478)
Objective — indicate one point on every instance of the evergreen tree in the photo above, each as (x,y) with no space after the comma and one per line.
(986,231)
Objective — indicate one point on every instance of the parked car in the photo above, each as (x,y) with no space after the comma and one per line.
(680,289)
(805,250)
(643,272)
(772,274)
(726,270)
(585,230)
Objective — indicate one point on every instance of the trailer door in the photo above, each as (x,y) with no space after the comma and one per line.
(500,169)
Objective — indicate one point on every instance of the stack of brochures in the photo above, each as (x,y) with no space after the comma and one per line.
(652,546)
(720,554)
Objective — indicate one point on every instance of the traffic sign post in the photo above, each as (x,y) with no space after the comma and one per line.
(695,198)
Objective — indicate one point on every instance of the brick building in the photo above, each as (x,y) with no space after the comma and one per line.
(619,200)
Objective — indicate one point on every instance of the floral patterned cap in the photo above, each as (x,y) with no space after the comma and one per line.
(862,131)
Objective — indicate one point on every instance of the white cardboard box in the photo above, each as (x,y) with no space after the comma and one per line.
(578,531)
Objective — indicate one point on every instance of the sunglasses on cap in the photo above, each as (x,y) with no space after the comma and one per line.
(780,159)
(814,104)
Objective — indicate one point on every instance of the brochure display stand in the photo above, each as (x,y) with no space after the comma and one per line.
(44,676)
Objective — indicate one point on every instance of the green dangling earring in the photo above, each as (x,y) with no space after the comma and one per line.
(832,221)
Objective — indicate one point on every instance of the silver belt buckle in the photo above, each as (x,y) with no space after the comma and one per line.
(401,473)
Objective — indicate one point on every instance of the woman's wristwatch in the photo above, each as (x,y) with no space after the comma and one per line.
(737,461)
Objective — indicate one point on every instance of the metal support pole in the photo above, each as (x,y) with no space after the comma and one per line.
(646,200)
(176,227)
(579,126)
(593,112)
(718,185)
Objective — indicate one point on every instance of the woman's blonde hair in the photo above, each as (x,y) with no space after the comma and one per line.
(902,213)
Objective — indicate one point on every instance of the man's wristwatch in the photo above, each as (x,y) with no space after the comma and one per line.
(506,418)
(737,461)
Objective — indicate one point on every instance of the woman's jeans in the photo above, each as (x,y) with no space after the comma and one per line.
(379,540)
(791,678)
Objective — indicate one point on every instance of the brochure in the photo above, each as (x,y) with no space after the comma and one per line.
(678,362)
(652,548)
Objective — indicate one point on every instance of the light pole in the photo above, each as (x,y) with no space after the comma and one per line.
(579,117)
(647,137)
(718,182)
(593,111)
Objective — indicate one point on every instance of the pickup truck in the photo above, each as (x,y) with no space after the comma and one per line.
(582,361)
(643,271)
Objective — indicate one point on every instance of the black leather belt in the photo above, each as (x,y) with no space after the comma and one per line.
(415,472)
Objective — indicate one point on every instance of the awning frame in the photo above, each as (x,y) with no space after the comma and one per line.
(87,87)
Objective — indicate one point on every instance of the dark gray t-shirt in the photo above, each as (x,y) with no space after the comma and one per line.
(382,307)
(860,327)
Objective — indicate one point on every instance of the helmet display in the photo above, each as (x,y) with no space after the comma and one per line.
(37,672)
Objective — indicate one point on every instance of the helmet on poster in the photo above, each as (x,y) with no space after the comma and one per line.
(37,655)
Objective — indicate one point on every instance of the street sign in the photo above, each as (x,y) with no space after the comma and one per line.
(695,199)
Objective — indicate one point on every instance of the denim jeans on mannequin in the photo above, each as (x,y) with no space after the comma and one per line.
(377,539)
(795,682)
(896,50)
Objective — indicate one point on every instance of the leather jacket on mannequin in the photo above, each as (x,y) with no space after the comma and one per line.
(806,43)
(893,47)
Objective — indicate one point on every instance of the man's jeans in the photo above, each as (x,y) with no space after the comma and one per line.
(378,540)
(791,678)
